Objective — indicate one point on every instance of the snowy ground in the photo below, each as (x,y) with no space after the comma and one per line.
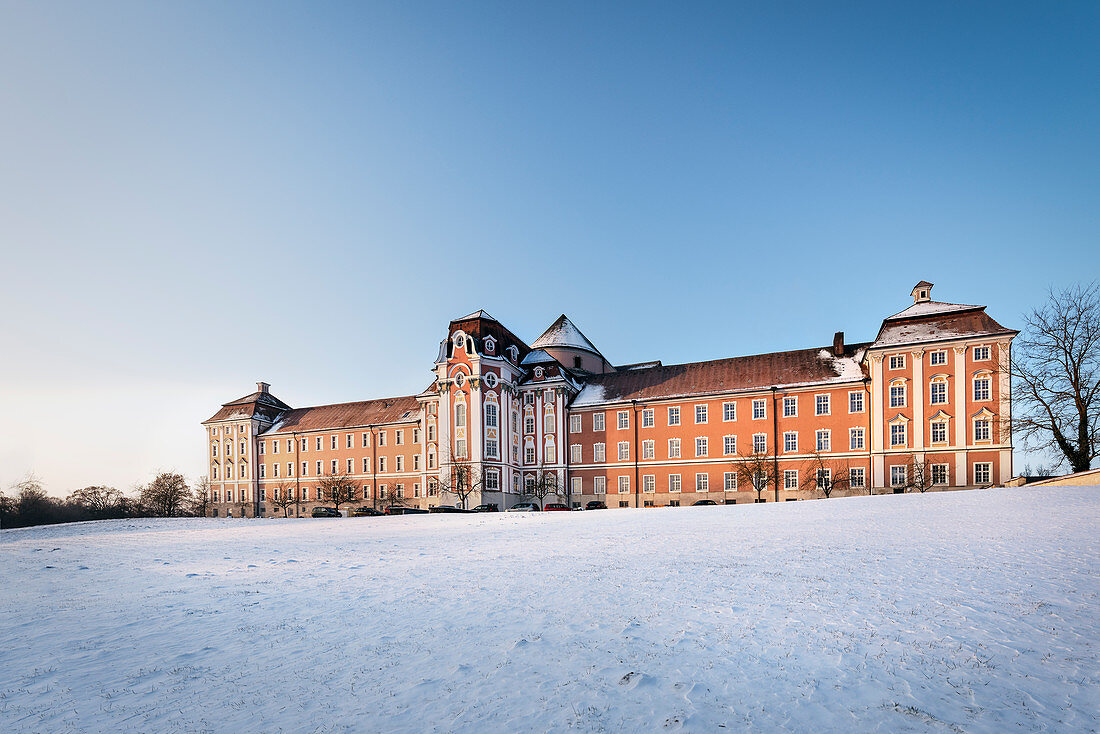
(958,611)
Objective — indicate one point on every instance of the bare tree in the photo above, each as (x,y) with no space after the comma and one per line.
(200,498)
(98,502)
(339,489)
(756,470)
(1055,367)
(918,475)
(827,476)
(463,481)
(282,497)
(545,485)
(168,495)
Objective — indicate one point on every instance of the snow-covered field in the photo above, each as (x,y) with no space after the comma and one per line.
(965,611)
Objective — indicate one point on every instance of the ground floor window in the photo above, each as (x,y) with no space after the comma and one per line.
(897,476)
(939,474)
(983,473)
(857,478)
(674,503)
(790,479)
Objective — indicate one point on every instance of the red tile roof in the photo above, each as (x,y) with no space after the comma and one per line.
(724,375)
(348,415)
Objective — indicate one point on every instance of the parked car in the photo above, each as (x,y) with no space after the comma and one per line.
(487,507)
(696,503)
(365,512)
(596,505)
(395,510)
(525,507)
(326,512)
(447,508)
(557,507)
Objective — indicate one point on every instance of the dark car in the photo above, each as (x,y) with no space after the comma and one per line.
(557,507)
(447,508)
(487,507)
(696,503)
(366,512)
(325,512)
(596,505)
(394,510)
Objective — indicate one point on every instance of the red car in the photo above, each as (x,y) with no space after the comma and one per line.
(556,507)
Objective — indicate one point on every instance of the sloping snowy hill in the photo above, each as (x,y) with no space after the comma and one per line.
(968,611)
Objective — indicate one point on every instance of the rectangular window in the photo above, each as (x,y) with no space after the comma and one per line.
(981,389)
(857,478)
(399,463)
(351,466)
(897,476)
(790,442)
(674,416)
(939,474)
(624,450)
(938,393)
(576,485)
(824,478)
(416,435)
(702,482)
(673,482)
(416,460)
(366,465)
(937,358)
(980,355)
(701,446)
(855,402)
(319,444)
(674,448)
(729,445)
(574,424)
(290,445)
(939,432)
(729,481)
(700,414)
(599,485)
(575,453)
(598,452)
(332,441)
(348,441)
(624,419)
(648,451)
(263,471)
(529,454)
(824,440)
(790,479)
(320,471)
(529,424)
(381,464)
(759,409)
(624,485)
(649,483)
(492,481)
(855,439)
(729,412)
(897,396)
(760,443)
(274,447)
(897,361)
(305,468)
(399,435)
(274,470)
(262,445)
(821,404)
(981,430)
(492,448)
(647,418)
(597,421)
(790,406)
(897,434)
(381,438)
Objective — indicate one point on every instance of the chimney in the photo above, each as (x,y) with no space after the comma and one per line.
(838,344)
(262,387)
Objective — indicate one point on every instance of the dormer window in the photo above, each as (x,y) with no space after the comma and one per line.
(490,345)
(459,340)
(538,373)
(513,352)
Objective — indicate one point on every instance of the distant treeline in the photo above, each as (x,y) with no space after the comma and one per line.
(168,495)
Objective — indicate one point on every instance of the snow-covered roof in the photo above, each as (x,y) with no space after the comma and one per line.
(482,314)
(537,356)
(930,308)
(563,333)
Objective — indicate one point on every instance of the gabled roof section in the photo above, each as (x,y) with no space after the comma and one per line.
(933,321)
(260,404)
(564,333)
(482,314)
(479,325)
(348,415)
(537,356)
(782,369)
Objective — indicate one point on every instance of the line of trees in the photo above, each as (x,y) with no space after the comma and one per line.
(168,495)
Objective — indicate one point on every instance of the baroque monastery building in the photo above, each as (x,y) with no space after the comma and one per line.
(925,404)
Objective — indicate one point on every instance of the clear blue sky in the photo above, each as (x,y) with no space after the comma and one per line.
(195,196)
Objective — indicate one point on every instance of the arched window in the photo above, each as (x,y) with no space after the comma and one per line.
(937,390)
(460,415)
(551,452)
(897,393)
(491,415)
(548,422)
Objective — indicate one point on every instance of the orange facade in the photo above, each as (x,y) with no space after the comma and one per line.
(923,405)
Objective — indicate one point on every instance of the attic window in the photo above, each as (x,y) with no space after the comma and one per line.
(577,362)
(490,345)
(924,294)
(538,373)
